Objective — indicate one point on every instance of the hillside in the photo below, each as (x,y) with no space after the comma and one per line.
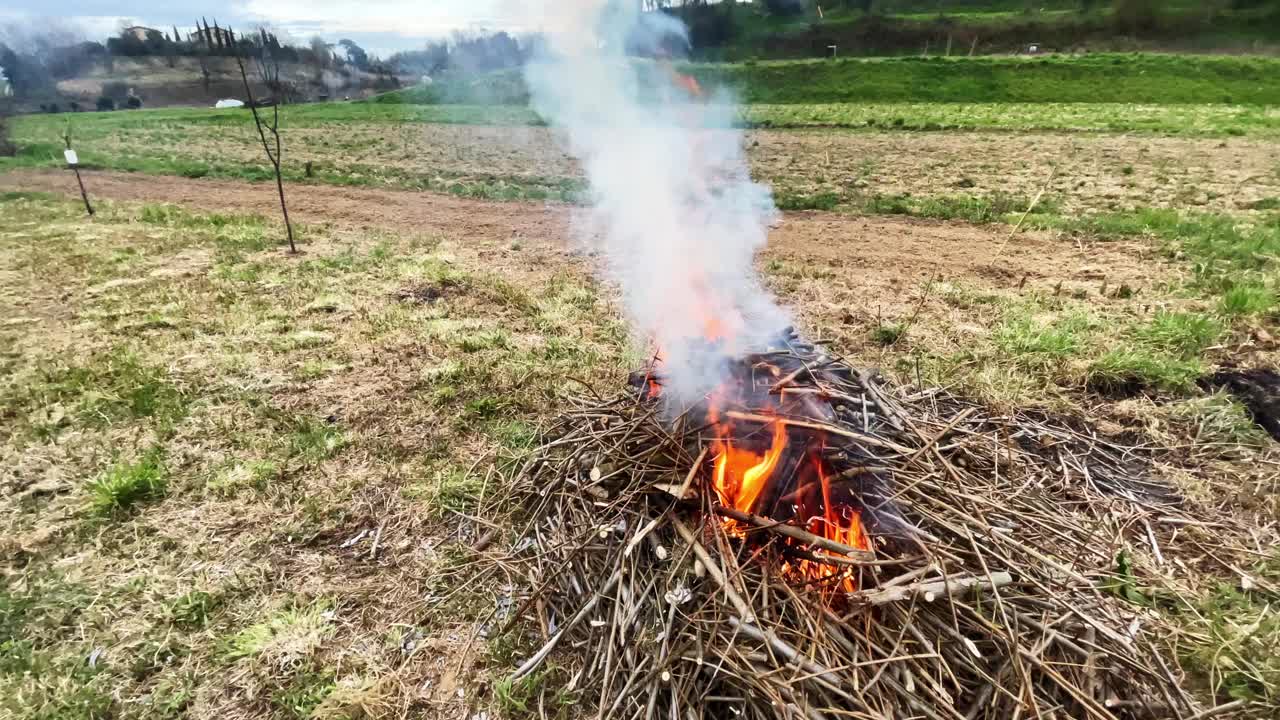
(910,27)
(1121,78)
(157,84)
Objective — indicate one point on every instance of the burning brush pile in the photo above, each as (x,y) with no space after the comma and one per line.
(756,529)
(808,542)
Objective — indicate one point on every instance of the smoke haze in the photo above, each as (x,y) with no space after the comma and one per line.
(673,207)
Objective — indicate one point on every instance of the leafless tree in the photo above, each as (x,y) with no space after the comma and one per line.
(267,67)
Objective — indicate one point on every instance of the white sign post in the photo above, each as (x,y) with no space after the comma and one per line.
(73,162)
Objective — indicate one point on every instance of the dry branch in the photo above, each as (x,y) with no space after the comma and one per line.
(981,599)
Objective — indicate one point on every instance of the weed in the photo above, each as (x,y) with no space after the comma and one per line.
(1237,644)
(127,484)
(285,639)
(887,334)
(1185,335)
(1127,370)
(1034,342)
(1246,299)
(304,693)
(194,609)
(313,441)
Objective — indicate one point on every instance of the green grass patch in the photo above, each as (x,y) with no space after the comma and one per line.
(886,334)
(1236,639)
(289,635)
(995,207)
(447,488)
(1218,418)
(125,485)
(792,200)
(114,386)
(1038,342)
(194,609)
(1248,298)
(312,440)
(1091,117)
(1128,370)
(1093,78)
(1179,333)
(303,694)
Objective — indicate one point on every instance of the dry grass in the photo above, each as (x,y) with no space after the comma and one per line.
(237,484)
(230,473)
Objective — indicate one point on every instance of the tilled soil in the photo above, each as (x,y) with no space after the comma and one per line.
(1094,172)
(890,249)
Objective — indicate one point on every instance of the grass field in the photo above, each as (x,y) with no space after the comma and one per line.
(210,435)
(1087,78)
(1055,79)
(239,483)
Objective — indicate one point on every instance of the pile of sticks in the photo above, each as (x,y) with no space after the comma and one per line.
(994,594)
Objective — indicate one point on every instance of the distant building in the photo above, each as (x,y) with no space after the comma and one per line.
(139,32)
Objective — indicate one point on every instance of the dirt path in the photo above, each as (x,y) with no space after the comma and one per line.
(876,254)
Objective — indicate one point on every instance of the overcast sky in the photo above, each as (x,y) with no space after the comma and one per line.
(381,26)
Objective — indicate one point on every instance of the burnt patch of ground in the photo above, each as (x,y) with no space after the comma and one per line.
(1258,389)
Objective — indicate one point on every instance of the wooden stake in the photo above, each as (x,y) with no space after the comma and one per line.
(74,164)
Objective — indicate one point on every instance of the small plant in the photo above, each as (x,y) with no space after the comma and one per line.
(134,102)
(315,441)
(287,638)
(194,609)
(1038,343)
(1183,334)
(303,694)
(887,334)
(1247,299)
(125,485)
(1129,370)
(106,104)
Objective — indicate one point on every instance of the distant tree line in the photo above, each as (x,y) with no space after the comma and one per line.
(31,69)
(465,52)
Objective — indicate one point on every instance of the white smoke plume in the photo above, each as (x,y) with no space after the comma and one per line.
(673,206)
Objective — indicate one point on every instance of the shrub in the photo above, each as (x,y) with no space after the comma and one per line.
(105,103)
(134,102)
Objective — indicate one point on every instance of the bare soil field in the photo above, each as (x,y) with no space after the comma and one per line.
(1077,172)
(875,262)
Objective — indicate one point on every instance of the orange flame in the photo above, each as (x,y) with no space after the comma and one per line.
(741,475)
